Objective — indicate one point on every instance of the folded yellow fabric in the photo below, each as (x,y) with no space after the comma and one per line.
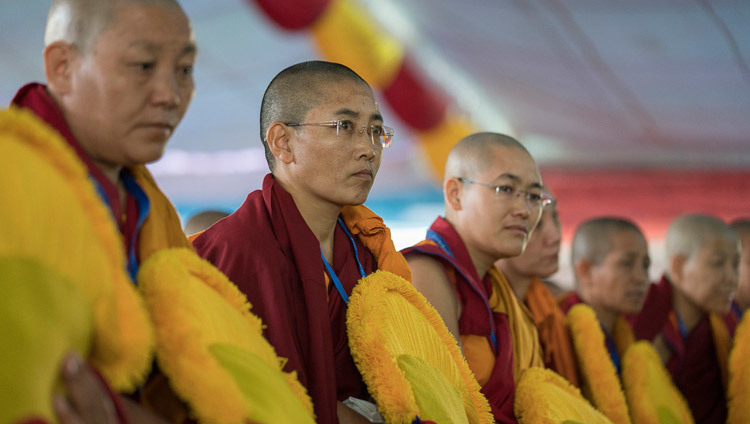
(410,362)
(652,396)
(544,397)
(598,375)
(43,316)
(738,393)
(431,389)
(50,214)
(211,347)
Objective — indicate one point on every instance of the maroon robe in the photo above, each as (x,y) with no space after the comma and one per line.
(476,317)
(569,300)
(693,364)
(270,253)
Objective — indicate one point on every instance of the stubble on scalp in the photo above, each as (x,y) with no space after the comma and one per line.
(472,154)
(80,22)
(295,91)
(689,233)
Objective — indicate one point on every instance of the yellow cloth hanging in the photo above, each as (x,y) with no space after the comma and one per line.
(527,352)
(344,34)
(372,232)
(161,229)
(722,345)
(554,336)
(738,392)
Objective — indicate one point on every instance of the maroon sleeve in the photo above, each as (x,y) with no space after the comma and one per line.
(263,280)
(655,312)
(268,251)
(568,300)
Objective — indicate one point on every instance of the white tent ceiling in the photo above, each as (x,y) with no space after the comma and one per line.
(581,83)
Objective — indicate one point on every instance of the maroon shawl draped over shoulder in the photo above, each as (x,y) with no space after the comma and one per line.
(473,294)
(568,300)
(270,253)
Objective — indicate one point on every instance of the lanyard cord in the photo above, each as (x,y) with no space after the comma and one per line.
(434,236)
(612,349)
(681,326)
(143,208)
(737,310)
(440,241)
(332,274)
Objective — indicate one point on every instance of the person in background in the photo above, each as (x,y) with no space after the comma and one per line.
(742,296)
(686,313)
(298,247)
(610,260)
(525,272)
(119,80)
(493,201)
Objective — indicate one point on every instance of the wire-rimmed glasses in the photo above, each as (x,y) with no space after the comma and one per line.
(380,135)
(508,192)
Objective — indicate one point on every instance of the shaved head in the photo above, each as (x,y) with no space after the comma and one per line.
(485,176)
(610,262)
(703,253)
(79,22)
(471,155)
(689,233)
(295,91)
(115,67)
(594,239)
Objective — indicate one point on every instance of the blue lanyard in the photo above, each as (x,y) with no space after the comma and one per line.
(438,239)
(332,274)
(681,326)
(433,236)
(737,310)
(612,348)
(143,208)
